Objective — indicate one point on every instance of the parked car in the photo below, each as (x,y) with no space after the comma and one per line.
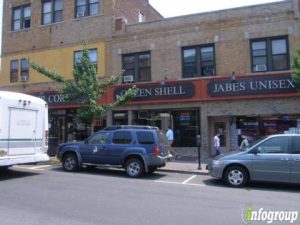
(274,158)
(138,150)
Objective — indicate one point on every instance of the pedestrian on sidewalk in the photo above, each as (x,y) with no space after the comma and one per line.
(217,144)
(245,142)
(170,137)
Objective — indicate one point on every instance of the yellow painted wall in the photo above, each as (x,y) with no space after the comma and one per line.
(60,60)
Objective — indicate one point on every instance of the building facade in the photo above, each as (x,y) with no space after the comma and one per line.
(51,33)
(225,71)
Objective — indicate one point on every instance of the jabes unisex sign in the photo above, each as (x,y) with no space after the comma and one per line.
(252,86)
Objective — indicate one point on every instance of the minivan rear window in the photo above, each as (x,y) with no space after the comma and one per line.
(145,137)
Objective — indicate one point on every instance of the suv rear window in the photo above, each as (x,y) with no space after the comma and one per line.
(122,137)
(145,137)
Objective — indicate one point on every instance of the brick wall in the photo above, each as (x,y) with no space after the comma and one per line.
(130,9)
(229,30)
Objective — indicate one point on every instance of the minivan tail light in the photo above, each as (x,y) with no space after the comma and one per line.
(156,151)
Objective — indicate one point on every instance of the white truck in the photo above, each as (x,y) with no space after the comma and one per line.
(23,129)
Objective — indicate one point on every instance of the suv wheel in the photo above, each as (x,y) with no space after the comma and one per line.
(70,162)
(236,176)
(134,167)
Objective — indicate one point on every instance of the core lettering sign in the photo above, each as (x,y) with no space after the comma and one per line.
(252,86)
(156,92)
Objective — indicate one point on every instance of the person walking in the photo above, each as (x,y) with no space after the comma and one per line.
(245,142)
(170,137)
(217,144)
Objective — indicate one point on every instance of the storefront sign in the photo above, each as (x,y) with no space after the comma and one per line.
(55,98)
(157,91)
(252,86)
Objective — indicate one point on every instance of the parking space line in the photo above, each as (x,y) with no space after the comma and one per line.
(187,180)
(181,183)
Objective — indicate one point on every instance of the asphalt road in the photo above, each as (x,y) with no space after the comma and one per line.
(42,195)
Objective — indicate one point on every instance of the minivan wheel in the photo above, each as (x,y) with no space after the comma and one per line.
(134,167)
(70,163)
(236,176)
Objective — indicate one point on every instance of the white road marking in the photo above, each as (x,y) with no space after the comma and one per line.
(172,182)
(187,180)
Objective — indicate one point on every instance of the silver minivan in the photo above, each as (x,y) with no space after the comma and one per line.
(274,158)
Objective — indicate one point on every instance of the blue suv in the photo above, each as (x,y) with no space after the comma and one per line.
(137,149)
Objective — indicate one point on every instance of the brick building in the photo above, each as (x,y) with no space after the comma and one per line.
(51,33)
(225,71)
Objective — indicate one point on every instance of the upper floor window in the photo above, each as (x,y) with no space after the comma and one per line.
(137,67)
(87,8)
(198,61)
(52,11)
(21,17)
(270,54)
(93,57)
(14,71)
(24,70)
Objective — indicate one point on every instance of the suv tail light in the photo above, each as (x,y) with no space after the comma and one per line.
(156,150)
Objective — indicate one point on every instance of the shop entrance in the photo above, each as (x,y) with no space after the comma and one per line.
(221,125)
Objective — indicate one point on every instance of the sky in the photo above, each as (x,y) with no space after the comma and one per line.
(171,8)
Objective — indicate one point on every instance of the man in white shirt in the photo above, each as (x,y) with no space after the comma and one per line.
(170,136)
(217,144)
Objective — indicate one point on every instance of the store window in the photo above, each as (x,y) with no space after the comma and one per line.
(120,118)
(87,8)
(256,127)
(270,54)
(198,61)
(185,128)
(21,17)
(137,67)
(52,11)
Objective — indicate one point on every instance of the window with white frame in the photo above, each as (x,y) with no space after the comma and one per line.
(93,57)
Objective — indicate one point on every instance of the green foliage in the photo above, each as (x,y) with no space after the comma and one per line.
(296,67)
(86,89)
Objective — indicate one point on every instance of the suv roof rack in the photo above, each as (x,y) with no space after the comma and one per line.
(142,127)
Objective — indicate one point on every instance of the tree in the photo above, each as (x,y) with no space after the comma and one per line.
(296,68)
(86,89)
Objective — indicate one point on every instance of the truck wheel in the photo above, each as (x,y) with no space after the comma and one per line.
(70,163)
(134,167)
(236,176)
(3,168)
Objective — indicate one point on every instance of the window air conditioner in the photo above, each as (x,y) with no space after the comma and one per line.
(261,67)
(128,78)
(24,78)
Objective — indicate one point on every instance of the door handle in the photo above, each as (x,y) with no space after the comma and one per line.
(105,149)
(298,159)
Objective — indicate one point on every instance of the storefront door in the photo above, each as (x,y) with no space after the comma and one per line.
(221,125)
